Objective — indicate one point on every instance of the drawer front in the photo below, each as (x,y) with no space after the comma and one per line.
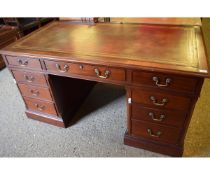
(24,62)
(30,78)
(155,132)
(164,81)
(160,100)
(35,92)
(157,116)
(40,106)
(100,72)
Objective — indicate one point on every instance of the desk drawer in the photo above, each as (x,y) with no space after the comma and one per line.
(24,62)
(160,100)
(100,72)
(167,117)
(40,106)
(32,78)
(155,132)
(164,81)
(35,92)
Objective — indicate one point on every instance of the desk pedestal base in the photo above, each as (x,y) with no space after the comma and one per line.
(172,150)
(45,118)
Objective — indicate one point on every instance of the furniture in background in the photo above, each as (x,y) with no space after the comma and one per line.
(79,20)
(162,21)
(14,28)
(2,21)
(86,20)
(162,68)
(27,25)
(8,35)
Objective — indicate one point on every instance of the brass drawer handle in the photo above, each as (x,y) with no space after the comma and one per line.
(156,79)
(23,62)
(65,68)
(29,78)
(81,66)
(34,92)
(152,115)
(41,108)
(158,134)
(163,102)
(107,73)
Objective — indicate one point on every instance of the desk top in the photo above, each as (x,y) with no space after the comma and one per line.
(155,47)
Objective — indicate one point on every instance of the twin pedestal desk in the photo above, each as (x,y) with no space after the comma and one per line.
(162,68)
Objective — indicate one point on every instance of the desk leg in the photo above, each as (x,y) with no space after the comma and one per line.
(139,142)
(146,132)
(67,96)
(144,143)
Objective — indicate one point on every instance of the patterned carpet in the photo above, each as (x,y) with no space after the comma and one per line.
(197,142)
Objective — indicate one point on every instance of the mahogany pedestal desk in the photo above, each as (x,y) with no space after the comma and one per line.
(162,68)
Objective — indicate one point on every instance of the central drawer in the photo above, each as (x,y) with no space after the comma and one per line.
(160,100)
(99,72)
